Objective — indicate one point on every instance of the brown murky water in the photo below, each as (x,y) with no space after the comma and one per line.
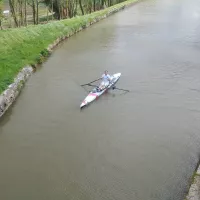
(141,145)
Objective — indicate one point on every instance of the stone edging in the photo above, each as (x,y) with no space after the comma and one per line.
(194,191)
(8,97)
(13,90)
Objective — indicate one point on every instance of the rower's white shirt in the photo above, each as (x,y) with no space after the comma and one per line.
(106,77)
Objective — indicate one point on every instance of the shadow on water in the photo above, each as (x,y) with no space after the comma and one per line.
(7,116)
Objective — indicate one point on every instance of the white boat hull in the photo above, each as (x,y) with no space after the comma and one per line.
(95,94)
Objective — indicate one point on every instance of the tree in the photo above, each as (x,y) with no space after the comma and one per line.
(13,8)
(60,9)
(81,7)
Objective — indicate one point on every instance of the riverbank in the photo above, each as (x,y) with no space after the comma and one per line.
(194,190)
(24,48)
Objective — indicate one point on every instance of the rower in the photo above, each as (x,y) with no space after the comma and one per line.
(106,79)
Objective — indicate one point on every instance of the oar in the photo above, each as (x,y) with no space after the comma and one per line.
(92,85)
(91,82)
(120,89)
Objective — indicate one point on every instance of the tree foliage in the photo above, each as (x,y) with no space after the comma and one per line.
(1,12)
(60,9)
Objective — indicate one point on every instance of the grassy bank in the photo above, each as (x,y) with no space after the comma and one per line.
(27,46)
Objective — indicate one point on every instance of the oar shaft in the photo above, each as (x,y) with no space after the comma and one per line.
(121,89)
(92,85)
(91,82)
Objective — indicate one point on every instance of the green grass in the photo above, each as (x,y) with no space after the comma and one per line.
(24,46)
